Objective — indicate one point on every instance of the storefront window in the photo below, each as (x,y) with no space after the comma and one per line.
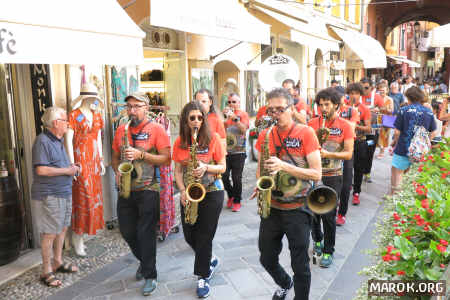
(202,78)
(6,146)
(254,93)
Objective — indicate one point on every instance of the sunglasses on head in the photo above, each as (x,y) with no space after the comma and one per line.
(274,110)
(232,102)
(192,118)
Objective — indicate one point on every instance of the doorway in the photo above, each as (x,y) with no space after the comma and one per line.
(226,81)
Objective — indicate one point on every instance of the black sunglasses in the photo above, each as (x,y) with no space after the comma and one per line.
(274,110)
(367,87)
(232,102)
(192,118)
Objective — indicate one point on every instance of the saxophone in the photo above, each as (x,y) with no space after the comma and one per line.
(323,132)
(195,191)
(265,182)
(125,168)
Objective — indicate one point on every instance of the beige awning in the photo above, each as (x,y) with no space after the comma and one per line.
(402,59)
(69,32)
(217,18)
(364,49)
(440,36)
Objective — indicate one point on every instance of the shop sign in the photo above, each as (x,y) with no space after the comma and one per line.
(7,42)
(40,89)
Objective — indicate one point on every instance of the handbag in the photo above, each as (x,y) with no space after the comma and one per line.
(388,121)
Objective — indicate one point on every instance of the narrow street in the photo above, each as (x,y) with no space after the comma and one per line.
(240,275)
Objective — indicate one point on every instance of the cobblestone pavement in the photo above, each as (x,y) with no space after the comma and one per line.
(108,272)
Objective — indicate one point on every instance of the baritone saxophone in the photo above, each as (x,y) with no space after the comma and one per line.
(125,168)
(265,182)
(195,191)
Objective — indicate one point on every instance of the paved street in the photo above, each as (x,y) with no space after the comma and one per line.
(240,275)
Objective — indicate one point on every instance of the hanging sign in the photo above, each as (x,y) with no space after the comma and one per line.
(40,89)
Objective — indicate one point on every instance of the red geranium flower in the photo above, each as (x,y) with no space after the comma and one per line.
(425,203)
(387,257)
(389,248)
(442,266)
(443,242)
(398,231)
(426,228)
(400,272)
(420,222)
(396,216)
(393,257)
(430,211)
(441,248)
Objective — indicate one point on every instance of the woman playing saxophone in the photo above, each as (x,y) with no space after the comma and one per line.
(199,158)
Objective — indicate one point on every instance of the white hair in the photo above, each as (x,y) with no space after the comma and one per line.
(51,114)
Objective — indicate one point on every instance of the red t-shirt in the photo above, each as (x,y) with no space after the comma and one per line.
(214,153)
(262,111)
(340,131)
(235,132)
(301,142)
(243,118)
(216,125)
(301,105)
(149,137)
(351,115)
(377,100)
(364,115)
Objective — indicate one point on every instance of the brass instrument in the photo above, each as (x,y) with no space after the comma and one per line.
(323,132)
(126,167)
(321,199)
(265,182)
(195,191)
(231,141)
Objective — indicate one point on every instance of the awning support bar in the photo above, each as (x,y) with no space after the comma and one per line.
(213,57)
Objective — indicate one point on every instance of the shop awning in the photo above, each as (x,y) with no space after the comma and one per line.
(401,59)
(440,36)
(313,35)
(216,18)
(365,48)
(69,32)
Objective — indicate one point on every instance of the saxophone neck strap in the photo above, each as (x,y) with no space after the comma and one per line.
(283,146)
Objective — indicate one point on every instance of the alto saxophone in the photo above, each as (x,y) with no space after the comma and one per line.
(126,167)
(195,191)
(265,182)
(323,132)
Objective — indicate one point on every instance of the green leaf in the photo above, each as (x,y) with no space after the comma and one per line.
(406,248)
(432,195)
(433,273)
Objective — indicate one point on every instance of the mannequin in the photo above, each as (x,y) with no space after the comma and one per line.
(84,146)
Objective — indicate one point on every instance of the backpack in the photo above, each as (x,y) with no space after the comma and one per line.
(420,144)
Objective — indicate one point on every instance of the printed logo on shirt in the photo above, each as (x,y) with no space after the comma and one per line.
(292,142)
(335,131)
(203,151)
(80,118)
(140,136)
(346,114)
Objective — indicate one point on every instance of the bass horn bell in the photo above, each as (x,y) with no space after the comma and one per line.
(321,199)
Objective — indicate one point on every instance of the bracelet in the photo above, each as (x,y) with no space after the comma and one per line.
(142,156)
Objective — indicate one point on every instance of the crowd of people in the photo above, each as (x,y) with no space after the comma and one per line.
(330,142)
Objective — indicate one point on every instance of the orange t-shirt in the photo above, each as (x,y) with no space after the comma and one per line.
(340,131)
(301,105)
(364,115)
(377,100)
(148,137)
(301,142)
(213,153)
(262,111)
(233,130)
(216,125)
(351,115)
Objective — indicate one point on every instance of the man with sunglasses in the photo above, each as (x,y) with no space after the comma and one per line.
(236,125)
(300,105)
(294,149)
(139,214)
(375,103)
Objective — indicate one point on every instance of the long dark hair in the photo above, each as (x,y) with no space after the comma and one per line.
(204,133)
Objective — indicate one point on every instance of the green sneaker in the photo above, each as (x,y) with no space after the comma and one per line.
(317,249)
(149,287)
(327,260)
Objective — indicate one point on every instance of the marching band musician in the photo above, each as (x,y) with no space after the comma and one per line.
(215,122)
(337,147)
(301,108)
(349,113)
(211,162)
(363,128)
(293,146)
(139,214)
(236,125)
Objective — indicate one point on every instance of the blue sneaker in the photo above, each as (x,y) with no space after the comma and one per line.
(318,248)
(326,260)
(281,293)
(149,287)
(203,288)
(215,262)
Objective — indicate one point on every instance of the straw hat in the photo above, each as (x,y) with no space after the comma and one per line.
(88,90)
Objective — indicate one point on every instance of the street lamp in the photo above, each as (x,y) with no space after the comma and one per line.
(417,34)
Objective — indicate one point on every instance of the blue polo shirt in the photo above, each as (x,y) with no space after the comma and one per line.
(408,117)
(49,151)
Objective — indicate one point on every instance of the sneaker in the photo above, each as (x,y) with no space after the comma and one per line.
(139,276)
(236,207)
(215,262)
(367,178)
(355,200)
(340,220)
(327,260)
(149,287)
(317,249)
(203,288)
(230,202)
(281,293)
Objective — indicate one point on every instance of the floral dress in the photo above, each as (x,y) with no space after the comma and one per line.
(87,198)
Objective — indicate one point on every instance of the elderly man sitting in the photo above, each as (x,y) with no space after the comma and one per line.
(51,192)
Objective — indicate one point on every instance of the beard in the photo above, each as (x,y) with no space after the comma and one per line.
(134,121)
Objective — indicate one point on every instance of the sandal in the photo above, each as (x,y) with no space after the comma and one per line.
(66,267)
(49,280)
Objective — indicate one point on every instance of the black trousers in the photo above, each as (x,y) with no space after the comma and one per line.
(372,141)
(235,166)
(328,220)
(347,179)
(138,216)
(200,235)
(360,163)
(296,225)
